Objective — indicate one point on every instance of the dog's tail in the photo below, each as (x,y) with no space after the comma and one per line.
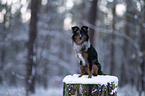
(99,69)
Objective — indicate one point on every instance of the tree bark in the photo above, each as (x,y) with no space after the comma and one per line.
(89,90)
(92,19)
(31,63)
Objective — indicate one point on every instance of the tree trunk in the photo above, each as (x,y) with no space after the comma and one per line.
(89,90)
(112,61)
(96,86)
(3,47)
(45,82)
(31,63)
(2,62)
(142,48)
(127,30)
(92,19)
(126,46)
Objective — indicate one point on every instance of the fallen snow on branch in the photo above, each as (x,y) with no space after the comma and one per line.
(100,79)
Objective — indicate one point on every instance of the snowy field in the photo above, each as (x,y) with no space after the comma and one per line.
(20,91)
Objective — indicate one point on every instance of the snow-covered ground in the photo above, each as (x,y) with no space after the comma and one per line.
(20,91)
(127,90)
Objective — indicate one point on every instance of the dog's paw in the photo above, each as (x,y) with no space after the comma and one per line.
(80,75)
(89,76)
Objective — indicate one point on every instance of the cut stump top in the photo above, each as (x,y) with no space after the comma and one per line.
(100,79)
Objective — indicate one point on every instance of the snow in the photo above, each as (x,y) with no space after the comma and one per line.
(48,92)
(128,90)
(6,90)
(100,79)
(11,91)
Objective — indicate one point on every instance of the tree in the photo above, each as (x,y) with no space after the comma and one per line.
(3,46)
(126,45)
(92,19)
(112,62)
(142,48)
(31,63)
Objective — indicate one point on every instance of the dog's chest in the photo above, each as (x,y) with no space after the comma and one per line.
(83,58)
(81,52)
(82,48)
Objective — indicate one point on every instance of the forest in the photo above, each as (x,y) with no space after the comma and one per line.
(36,50)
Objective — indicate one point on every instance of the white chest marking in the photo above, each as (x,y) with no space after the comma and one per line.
(79,47)
(81,58)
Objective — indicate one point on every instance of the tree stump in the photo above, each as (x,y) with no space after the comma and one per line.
(101,85)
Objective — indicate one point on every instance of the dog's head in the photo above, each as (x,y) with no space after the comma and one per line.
(79,36)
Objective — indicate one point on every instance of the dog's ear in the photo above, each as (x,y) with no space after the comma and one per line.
(85,28)
(75,28)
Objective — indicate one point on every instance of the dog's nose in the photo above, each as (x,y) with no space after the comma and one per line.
(80,38)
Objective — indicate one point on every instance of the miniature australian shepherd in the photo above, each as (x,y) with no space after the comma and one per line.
(85,52)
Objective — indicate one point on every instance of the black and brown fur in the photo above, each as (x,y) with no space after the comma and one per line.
(85,52)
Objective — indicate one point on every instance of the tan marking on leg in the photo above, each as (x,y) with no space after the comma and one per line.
(83,70)
(89,72)
(95,69)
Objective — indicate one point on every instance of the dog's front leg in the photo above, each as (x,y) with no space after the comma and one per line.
(83,70)
(89,70)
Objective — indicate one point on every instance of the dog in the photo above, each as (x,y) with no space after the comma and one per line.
(85,52)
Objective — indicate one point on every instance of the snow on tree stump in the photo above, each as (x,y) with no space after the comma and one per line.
(101,85)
